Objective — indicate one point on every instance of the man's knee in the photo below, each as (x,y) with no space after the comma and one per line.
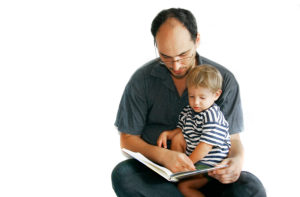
(247,185)
(124,178)
(119,176)
(116,175)
(131,178)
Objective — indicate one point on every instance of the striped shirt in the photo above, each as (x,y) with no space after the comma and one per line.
(208,126)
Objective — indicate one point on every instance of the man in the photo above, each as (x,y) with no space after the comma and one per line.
(151,103)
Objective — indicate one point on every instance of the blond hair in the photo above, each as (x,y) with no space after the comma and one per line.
(205,76)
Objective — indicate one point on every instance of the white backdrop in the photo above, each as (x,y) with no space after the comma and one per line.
(64,65)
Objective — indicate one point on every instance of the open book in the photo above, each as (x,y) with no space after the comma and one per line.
(166,173)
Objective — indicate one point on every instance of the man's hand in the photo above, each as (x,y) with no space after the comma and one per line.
(229,174)
(234,161)
(178,162)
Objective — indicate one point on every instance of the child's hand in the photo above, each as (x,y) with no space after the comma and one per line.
(162,139)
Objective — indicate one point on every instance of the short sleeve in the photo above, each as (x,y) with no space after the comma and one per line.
(230,104)
(214,128)
(132,112)
(213,134)
(229,101)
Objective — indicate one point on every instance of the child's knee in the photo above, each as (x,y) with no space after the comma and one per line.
(178,142)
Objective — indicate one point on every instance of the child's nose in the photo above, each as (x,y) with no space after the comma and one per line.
(197,101)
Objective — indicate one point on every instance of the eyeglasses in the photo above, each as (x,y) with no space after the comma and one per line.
(184,61)
(169,62)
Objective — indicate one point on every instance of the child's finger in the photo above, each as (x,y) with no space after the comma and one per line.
(159,142)
(165,143)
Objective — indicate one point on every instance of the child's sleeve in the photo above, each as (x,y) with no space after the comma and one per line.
(181,118)
(213,131)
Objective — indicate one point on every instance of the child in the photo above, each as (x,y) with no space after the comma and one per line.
(202,125)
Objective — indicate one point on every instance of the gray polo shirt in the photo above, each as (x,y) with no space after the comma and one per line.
(151,104)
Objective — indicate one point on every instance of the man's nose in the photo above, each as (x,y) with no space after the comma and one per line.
(176,65)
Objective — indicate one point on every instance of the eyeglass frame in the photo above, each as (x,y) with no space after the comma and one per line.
(171,62)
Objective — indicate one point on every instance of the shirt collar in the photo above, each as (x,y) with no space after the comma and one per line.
(199,59)
(159,70)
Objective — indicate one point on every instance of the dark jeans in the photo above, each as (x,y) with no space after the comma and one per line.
(131,178)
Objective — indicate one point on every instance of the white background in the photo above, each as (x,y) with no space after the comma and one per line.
(64,65)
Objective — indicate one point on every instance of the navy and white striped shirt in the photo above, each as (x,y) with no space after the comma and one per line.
(208,126)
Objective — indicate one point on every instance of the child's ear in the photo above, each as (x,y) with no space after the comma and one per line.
(218,94)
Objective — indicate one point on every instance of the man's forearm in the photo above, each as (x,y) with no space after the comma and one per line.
(237,149)
(137,144)
(174,161)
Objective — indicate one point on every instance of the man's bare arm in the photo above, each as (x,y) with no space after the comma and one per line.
(237,149)
(172,160)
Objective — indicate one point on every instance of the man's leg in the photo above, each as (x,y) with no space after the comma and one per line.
(247,185)
(131,178)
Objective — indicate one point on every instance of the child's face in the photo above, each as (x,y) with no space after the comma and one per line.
(201,98)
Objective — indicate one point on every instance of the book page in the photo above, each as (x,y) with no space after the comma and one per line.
(155,167)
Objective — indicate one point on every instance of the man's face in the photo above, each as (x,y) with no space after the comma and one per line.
(176,48)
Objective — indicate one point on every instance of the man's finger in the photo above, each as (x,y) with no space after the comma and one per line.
(225,178)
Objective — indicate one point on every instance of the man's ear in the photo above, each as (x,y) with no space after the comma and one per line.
(218,94)
(197,40)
